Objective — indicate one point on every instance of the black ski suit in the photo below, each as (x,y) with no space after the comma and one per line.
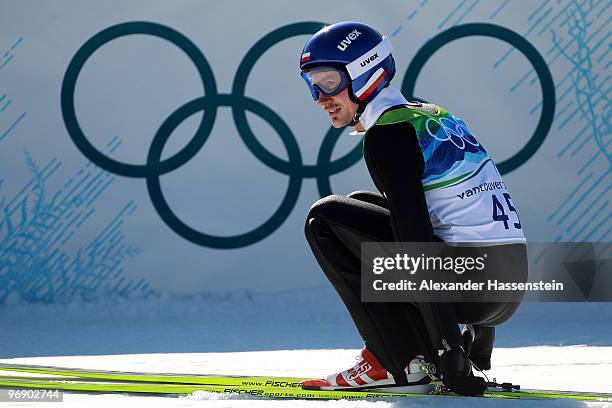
(336,226)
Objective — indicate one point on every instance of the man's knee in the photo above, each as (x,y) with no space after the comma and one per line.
(369,197)
(325,206)
(321,210)
(359,194)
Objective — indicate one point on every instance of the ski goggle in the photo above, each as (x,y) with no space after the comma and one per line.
(326,80)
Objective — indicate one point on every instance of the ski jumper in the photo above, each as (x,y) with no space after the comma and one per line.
(437,183)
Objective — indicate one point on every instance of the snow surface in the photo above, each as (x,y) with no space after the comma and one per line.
(293,333)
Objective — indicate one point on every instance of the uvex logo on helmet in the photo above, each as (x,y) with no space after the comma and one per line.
(369,59)
(348,40)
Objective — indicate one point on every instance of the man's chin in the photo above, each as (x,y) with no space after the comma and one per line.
(339,124)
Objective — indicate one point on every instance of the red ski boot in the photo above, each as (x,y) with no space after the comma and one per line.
(369,374)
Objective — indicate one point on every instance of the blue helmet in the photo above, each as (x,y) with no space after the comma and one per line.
(358,50)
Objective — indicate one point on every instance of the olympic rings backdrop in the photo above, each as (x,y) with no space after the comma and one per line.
(171,148)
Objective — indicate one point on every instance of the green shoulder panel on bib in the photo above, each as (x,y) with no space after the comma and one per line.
(413,114)
(396,116)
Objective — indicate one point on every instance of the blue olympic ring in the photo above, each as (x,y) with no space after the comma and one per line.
(209,103)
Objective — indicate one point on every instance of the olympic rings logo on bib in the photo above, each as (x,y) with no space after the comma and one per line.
(452,127)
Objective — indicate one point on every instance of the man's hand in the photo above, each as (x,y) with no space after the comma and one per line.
(456,374)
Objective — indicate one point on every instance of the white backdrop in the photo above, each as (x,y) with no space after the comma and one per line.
(69,228)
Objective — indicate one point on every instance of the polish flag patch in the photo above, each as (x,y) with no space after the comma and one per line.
(306,57)
(372,84)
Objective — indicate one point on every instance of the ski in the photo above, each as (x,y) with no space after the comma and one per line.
(174,388)
(106,386)
(210,379)
(171,382)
